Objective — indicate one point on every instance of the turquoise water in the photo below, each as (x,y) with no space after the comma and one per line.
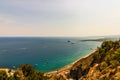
(44,53)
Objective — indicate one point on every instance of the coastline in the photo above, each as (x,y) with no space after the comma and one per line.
(66,69)
(84,57)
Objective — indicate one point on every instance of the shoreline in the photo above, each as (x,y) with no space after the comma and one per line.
(67,67)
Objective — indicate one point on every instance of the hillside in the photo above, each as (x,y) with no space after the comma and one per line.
(104,64)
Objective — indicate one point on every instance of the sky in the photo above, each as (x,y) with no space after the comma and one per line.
(59,17)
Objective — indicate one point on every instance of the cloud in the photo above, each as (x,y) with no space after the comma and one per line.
(40,11)
(43,6)
(6,20)
(59,16)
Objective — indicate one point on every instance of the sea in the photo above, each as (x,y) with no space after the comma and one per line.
(45,54)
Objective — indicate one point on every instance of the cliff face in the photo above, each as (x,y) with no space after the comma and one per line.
(104,64)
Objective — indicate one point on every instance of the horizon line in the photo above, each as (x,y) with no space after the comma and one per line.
(59,36)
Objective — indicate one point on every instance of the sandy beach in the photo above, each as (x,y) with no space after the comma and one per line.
(66,69)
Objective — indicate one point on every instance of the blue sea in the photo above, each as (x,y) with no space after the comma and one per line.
(44,53)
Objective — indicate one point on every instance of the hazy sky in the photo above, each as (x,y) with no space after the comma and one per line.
(59,17)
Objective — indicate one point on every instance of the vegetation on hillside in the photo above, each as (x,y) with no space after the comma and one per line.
(25,72)
(104,64)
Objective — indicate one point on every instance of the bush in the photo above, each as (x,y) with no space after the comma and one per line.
(3,75)
(103,65)
(114,63)
(27,70)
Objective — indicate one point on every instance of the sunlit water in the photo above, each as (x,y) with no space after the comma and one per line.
(44,53)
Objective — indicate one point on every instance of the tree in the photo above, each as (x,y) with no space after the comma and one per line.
(27,70)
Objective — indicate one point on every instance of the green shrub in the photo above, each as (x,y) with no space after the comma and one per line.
(103,65)
(27,70)
(114,63)
(3,75)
